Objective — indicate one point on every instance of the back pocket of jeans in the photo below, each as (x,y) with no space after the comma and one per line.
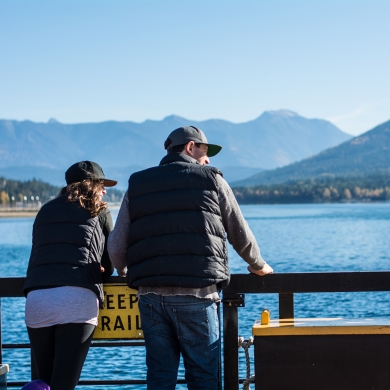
(147,319)
(192,325)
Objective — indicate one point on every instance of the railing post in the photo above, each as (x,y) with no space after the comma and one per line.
(231,302)
(34,370)
(286,305)
(1,339)
(220,380)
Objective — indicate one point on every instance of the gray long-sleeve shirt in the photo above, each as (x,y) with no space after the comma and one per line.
(238,232)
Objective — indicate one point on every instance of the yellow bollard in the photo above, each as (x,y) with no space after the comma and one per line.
(265,317)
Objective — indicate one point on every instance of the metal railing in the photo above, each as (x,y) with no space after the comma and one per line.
(285,285)
(12,288)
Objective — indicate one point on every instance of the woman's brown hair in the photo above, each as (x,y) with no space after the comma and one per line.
(87,193)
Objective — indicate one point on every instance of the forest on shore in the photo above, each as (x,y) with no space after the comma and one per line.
(318,190)
(37,192)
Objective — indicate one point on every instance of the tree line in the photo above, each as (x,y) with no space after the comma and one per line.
(15,192)
(26,192)
(318,190)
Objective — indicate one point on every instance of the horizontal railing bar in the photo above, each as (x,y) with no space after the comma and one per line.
(12,287)
(305,282)
(104,344)
(106,382)
(101,382)
(310,282)
(121,382)
(16,346)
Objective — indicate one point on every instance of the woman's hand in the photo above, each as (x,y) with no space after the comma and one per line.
(101,269)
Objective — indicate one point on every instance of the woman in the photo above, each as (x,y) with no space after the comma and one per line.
(64,275)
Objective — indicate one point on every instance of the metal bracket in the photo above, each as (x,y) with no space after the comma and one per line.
(237,300)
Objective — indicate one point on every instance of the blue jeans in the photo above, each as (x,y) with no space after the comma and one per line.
(180,324)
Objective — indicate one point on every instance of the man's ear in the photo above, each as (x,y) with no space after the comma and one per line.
(189,148)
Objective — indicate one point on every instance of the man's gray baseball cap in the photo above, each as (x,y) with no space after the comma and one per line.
(185,134)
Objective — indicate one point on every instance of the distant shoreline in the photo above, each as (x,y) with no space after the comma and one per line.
(23,213)
(14,212)
(18,214)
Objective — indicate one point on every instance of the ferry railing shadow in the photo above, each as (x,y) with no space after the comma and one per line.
(283,284)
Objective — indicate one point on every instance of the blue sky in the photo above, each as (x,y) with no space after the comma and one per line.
(90,60)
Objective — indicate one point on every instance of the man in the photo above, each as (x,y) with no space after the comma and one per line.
(170,240)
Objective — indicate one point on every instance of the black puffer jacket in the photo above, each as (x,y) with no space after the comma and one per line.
(68,247)
(176,234)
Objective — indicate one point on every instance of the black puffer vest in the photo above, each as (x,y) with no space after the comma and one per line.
(176,234)
(67,248)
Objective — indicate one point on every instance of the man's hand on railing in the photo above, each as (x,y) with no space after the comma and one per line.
(267,269)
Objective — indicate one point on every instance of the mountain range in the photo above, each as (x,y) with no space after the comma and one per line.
(365,155)
(45,150)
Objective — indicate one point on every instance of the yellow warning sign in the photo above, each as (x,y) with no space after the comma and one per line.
(119,318)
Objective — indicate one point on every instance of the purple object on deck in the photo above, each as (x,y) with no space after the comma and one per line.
(36,385)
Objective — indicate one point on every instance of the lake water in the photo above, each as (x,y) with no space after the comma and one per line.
(292,238)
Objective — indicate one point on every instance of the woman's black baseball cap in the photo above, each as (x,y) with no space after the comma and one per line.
(87,170)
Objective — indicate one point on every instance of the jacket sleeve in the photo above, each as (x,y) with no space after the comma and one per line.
(238,231)
(107,226)
(118,241)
